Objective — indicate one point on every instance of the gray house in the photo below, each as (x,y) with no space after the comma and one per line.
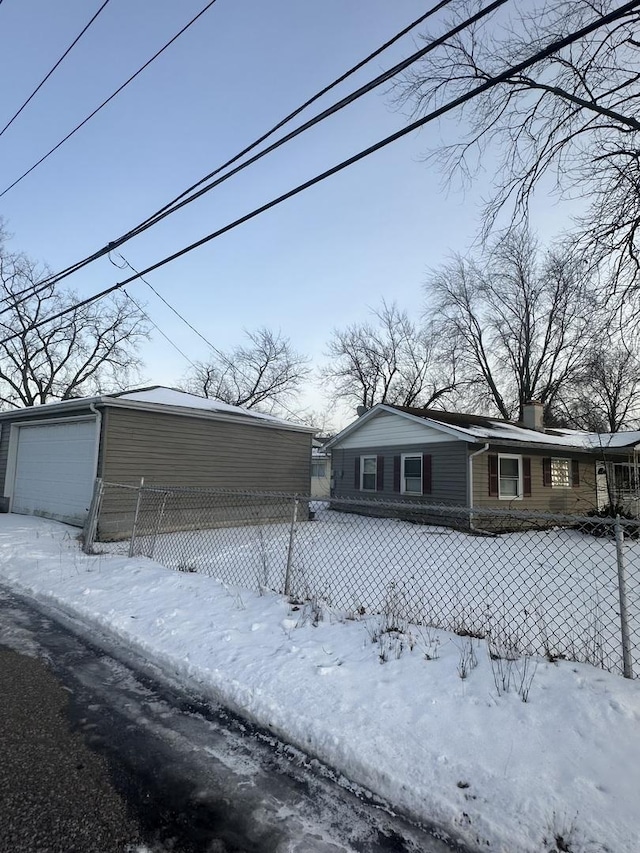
(50,455)
(425,455)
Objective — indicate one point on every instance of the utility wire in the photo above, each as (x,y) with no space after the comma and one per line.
(176,204)
(171,308)
(156,327)
(110,98)
(221,355)
(431,116)
(44,79)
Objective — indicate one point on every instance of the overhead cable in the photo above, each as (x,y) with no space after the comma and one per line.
(556,45)
(110,98)
(46,77)
(179,201)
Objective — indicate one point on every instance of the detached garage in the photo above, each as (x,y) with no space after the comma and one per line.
(51,455)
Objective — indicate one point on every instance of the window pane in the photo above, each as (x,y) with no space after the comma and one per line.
(413,484)
(560,473)
(317,469)
(509,468)
(369,464)
(509,477)
(508,488)
(413,466)
(369,469)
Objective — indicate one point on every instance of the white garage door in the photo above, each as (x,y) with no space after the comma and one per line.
(55,470)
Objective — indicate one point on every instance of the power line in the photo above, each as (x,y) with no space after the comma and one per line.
(221,355)
(170,307)
(157,328)
(110,98)
(176,204)
(46,77)
(434,114)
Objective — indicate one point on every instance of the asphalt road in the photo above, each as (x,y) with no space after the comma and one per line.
(100,753)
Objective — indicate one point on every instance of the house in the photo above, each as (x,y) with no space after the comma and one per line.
(320,468)
(50,455)
(425,455)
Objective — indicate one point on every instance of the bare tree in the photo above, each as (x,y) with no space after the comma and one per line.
(569,124)
(91,349)
(608,397)
(522,321)
(389,360)
(265,374)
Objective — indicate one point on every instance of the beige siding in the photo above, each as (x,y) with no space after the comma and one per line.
(169,449)
(580,499)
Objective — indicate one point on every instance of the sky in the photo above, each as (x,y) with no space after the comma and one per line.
(319,261)
(444,735)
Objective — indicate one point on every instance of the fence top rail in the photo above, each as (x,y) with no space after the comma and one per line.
(417,508)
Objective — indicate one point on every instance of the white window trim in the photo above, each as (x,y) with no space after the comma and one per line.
(362,458)
(569,482)
(520,494)
(404,456)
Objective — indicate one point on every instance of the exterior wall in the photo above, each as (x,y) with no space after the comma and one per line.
(169,449)
(448,471)
(173,450)
(387,430)
(574,499)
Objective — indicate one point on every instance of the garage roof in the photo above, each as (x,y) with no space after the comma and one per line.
(161,399)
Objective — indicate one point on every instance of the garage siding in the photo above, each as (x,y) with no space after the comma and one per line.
(169,449)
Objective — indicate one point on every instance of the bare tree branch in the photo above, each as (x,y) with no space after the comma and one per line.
(93,349)
(264,374)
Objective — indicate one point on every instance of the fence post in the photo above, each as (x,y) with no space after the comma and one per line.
(135,519)
(292,530)
(91,524)
(627,664)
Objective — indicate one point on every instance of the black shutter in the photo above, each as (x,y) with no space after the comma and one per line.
(526,476)
(380,473)
(493,475)
(575,473)
(396,473)
(356,474)
(426,474)
(546,472)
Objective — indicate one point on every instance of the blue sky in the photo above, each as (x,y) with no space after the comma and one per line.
(316,262)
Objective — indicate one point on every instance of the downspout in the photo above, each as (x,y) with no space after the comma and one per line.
(471,458)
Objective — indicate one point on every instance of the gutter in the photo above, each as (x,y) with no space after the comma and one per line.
(471,458)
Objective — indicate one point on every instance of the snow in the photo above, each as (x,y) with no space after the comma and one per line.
(168,398)
(492,771)
(161,396)
(504,431)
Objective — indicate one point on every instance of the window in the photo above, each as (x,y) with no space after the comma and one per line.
(509,477)
(411,475)
(625,478)
(560,474)
(369,468)
(318,469)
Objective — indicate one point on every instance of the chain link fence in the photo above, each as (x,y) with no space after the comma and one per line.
(561,586)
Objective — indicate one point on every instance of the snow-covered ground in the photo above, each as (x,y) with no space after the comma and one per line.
(560,771)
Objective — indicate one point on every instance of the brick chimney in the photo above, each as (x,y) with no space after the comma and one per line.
(532,415)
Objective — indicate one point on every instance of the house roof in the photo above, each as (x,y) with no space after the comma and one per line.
(478,429)
(161,399)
